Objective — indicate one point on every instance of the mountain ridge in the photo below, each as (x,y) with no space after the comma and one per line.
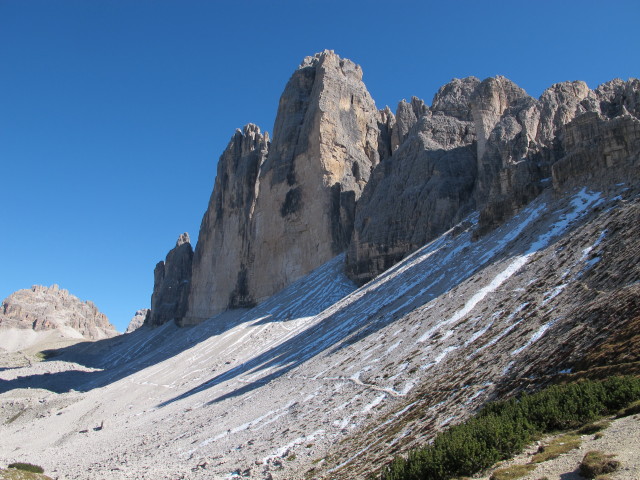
(339,175)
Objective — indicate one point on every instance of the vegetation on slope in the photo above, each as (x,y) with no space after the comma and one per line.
(502,429)
(23,471)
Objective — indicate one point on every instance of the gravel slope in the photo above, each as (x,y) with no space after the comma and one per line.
(323,379)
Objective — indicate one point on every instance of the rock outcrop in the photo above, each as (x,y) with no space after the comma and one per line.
(497,149)
(280,210)
(340,175)
(225,248)
(138,320)
(53,308)
(422,189)
(172,281)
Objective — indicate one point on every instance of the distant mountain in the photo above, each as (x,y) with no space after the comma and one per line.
(46,311)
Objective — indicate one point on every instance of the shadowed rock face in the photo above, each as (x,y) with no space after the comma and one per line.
(279,210)
(172,279)
(48,308)
(415,195)
(488,146)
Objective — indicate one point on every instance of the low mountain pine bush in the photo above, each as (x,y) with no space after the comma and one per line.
(502,429)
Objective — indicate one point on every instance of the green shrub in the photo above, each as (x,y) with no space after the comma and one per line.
(502,429)
(27,467)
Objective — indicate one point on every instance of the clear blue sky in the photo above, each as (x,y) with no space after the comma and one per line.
(113,113)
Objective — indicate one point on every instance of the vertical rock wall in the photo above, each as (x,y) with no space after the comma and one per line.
(280,210)
(487,146)
(341,175)
(225,250)
(325,144)
(172,280)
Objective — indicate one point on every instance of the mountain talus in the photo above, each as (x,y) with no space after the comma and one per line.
(327,380)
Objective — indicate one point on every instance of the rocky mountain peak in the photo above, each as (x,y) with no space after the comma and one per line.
(340,175)
(617,96)
(182,239)
(407,115)
(138,320)
(487,146)
(489,101)
(171,284)
(43,308)
(454,98)
(280,209)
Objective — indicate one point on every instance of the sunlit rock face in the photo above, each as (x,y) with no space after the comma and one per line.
(138,320)
(43,308)
(281,209)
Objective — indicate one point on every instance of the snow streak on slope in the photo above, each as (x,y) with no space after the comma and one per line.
(321,359)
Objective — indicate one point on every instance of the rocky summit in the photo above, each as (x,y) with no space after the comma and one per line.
(30,314)
(283,207)
(362,280)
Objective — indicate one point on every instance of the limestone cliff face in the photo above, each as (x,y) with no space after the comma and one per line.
(278,211)
(48,308)
(488,146)
(224,252)
(599,151)
(172,279)
(422,189)
(325,144)
(138,320)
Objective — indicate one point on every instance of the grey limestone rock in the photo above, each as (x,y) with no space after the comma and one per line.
(489,101)
(138,320)
(226,242)
(454,99)
(618,97)
(599,152)
(275,216)
(48,308)
(424,188)
(489,146)
(339,174)
(407,115)
(171,282)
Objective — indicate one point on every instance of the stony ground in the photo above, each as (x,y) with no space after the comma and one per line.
(328,381)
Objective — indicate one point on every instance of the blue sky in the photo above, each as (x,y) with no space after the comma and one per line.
(113,113)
